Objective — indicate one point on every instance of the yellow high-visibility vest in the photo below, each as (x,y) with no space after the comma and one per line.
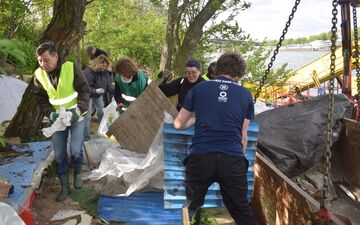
(64,95)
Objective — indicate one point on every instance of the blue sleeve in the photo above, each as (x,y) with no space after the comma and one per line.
(188,104)
(250,112)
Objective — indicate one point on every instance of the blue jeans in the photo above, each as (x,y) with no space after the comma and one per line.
(59,141)
(99,106)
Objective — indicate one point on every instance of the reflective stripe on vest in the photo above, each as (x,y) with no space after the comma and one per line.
(64,95)
(205,77)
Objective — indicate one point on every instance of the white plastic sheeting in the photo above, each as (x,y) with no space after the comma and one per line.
(11,92)
(9,216)
(110,115)
(127,172)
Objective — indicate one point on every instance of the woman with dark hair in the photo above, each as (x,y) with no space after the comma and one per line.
(100,81)
(130,82)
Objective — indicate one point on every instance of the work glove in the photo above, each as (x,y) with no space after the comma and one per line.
(53,116)
(100,91)
(75,114)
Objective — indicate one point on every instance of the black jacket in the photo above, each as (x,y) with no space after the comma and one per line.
(100,79)
(80,85)
(180,87)
(97,53)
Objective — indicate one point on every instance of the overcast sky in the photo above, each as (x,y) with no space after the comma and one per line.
(267,18)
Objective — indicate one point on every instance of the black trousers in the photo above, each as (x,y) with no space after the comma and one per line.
(230,172)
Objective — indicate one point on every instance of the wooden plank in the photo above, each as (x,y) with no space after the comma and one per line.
(136,128)
(4,189)
(185,216)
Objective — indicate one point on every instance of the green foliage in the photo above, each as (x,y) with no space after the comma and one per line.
(8,48)
(206,218)
(86,198)
(51,170)
(23,22)
(38,136)
(127,28)
(2,141)
(302,40)
(9,53)
(257,62)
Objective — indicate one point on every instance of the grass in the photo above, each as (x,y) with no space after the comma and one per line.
(86,198)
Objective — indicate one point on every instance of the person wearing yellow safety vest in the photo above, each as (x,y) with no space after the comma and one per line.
(62,84)
(130,82)
(210,73)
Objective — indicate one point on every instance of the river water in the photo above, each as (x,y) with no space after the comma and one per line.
(296,59)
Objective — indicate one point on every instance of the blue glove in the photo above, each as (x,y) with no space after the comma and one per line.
(75,114)
(53,116)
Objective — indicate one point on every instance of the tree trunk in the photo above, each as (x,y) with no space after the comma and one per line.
(194,34)
(65,30)
(166,57)
(66,27)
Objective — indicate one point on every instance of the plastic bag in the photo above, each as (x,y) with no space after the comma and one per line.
(110,115)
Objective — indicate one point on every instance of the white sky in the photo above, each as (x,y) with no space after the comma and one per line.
(267,18)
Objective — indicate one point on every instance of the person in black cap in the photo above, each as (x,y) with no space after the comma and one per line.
(210,73)
(95,52)
(182,85)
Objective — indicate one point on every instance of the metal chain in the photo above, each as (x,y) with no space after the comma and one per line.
(356,40)
(276,51)
(330,118)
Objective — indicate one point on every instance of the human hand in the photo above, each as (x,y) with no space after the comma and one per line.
(166,74)
(120,105)
(100,91)
(75,114)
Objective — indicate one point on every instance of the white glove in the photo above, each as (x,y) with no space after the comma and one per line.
(100,91)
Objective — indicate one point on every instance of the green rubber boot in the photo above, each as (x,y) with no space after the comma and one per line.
(78,183)
(65,188)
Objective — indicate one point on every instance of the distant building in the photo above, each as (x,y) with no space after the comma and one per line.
(320,45)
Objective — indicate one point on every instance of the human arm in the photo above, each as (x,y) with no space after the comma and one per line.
(42,98)
(91,79)
(118,97)
(184,119)
(244,139)
(248,117)
(110,87)
(172,88)
(186,116)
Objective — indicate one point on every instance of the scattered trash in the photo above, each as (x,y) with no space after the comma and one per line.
(64,214)
(71,222)
(348,193)
(9,216)
(85,219)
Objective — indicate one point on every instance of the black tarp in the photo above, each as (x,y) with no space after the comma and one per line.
(294,137)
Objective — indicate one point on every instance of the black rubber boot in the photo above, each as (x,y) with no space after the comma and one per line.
(78,183)
(195,216)
(65,188)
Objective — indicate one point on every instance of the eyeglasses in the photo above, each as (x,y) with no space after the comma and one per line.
(192,72)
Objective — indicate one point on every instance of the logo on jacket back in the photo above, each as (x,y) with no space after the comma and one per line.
(223,95)
(223,87)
